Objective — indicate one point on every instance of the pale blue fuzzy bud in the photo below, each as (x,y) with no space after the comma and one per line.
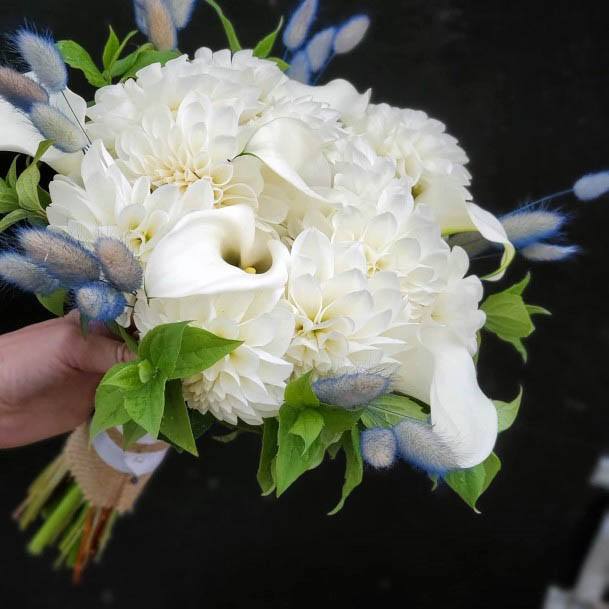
(420,446)
(119,265)
(300,23)
(528,226)
(44,59)
(63,257)
(351,34)
(379,447)
(140,16)
(181,11)
(54,125)
(19,90)
(592,186)
(548,252)
(159,25)
(300,69)
(99,301)
(319,49)
(352,390)
(26,275)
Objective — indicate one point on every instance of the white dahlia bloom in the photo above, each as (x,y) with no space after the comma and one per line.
(420,145)
(342,316)
(249,383)
(103,202)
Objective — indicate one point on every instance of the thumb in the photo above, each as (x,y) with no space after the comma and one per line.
(98,354)
(95,353)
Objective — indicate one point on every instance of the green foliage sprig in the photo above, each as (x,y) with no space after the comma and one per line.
(509,317)
(145,396)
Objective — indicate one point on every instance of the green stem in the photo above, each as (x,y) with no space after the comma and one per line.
(57,521)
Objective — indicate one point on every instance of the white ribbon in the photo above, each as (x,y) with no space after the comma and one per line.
(126,462)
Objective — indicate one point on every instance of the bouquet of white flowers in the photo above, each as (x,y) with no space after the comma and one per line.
(284,259)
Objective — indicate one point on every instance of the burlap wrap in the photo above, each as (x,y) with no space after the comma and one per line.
(101,485)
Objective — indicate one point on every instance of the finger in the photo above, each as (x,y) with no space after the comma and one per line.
(97,354)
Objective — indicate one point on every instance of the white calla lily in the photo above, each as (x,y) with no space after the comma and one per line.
(441,372)
(215,251)
(294,152)
(455,213)
(19,135)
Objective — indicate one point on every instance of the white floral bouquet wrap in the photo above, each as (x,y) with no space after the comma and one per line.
(285,259)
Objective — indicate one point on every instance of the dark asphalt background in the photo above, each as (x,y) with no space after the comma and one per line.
(523,85)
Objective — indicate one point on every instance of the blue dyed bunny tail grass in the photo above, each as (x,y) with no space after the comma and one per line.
(99,301)
(592,186)
(533,224)
(320,51)
(351,34)
(62,256)
(160,27)
(43,58)
(181,11)
(299,25)
(353,389)
(26,275)
(379,447)
(20,91)
(549,252)
(422,448)
(140,16)
(119,265)
(300,69)
(54,125)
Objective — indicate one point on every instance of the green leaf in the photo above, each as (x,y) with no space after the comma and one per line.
(145,370)
(27,183)
(283,65)
(470,484)
(268,453)
(109,410)
(124,376)
(148,58)
(54,302)
(8,198)
(12,218)
(200,423)
(78,58)
(229,29)
(508,411)
(308,426)
(161,346)
(111,49)
(265,46)
(176,422)
(389,410)
(199,350)
(509,317)
(337,421)
(132,432)
(354,467)
(11,178)
(122,66)
(535,310)
(300,393)
(521,286)
(291,462)
(146,405)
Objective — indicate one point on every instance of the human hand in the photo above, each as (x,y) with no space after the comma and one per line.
(48,376)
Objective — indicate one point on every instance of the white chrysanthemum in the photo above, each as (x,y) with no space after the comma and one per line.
(420,145)
(106,203)
(249,383)
(341,314)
